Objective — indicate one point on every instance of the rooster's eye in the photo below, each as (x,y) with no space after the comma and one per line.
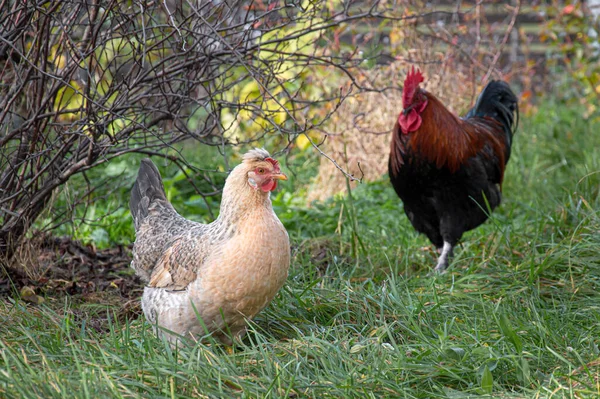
(261,170)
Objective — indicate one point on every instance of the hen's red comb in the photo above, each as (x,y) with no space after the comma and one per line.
(273,162)
(411,84)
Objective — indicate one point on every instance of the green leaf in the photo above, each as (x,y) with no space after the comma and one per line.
(100,237)
(455,353)
(509,333)
(487,381)
(524,371)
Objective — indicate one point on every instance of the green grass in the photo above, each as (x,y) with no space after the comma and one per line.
(517,315)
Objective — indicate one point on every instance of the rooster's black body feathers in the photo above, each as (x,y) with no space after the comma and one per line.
(443,200)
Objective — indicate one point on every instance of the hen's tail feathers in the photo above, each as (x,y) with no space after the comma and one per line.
(148,187)
(498,101)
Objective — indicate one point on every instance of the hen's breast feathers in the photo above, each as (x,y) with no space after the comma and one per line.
(250,267)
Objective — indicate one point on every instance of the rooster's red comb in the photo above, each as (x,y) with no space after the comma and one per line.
(411,84)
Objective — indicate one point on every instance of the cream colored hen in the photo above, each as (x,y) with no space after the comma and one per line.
(210,278)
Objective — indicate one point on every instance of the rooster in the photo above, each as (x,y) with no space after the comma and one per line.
(210,278)
(448,171)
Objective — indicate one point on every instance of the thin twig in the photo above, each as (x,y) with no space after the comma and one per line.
(502,43)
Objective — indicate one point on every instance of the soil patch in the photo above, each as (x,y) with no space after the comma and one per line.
(59,266)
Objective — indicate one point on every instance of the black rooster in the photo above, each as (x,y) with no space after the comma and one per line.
(447,170)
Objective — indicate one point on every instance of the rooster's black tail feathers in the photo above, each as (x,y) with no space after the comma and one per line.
(147,188)
(498,101)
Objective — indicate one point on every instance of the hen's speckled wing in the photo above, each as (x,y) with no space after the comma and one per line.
(181,261)
(168,248)
(165,237)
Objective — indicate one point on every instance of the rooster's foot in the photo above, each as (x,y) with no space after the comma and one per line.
(443,260)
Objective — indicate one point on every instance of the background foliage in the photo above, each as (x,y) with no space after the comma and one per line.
(85,83)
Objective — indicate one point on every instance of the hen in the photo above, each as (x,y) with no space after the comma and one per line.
(210,278)
(448,171)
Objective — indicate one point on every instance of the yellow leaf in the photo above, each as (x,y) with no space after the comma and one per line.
(250,92)
(274,111)
(117,125)
(302,142)
(28,295)
(229,123)
(69,102)
(57,57)
(397,37)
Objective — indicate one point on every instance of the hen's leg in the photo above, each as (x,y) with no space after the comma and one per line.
(444,258)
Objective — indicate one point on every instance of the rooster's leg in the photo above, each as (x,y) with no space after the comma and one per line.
(443,260)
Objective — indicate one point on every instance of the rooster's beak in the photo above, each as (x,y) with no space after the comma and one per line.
(279,176)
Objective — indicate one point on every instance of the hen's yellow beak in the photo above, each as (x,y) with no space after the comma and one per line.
(279,176)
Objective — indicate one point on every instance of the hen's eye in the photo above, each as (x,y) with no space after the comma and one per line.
(261,170)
